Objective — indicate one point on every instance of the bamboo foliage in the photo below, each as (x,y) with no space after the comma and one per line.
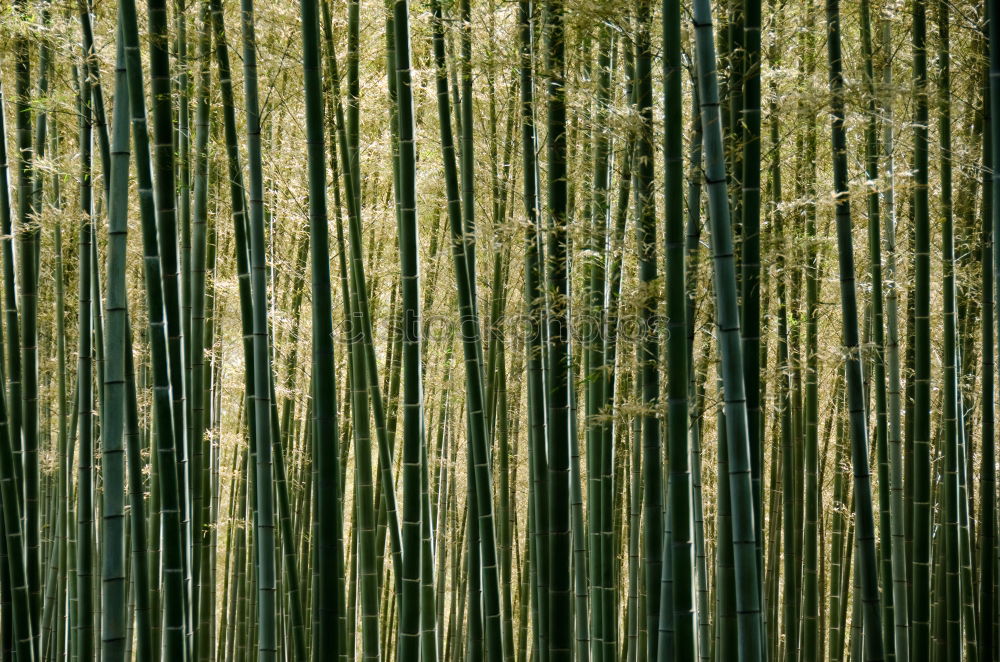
(564,431)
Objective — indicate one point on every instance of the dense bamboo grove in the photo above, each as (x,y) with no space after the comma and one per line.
(528,331)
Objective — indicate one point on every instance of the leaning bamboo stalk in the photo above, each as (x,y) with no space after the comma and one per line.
(727,316)
(197,298)
(331,628)
(166,451)
(864,517)
(649,351)
(481,491)
(24,393)
(987,489)
(267,645)
(537,393)
(414,449)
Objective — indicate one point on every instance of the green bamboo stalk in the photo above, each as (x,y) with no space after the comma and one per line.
(560,632)
(24,640)
(414,450)
(11,304)
(864,518)
(726,627)
(839,565)
(113,428)
(878,332)
(749,214)
(951,408)
(362,331)
(164,165)
(137,521)
(65,471)
(581,611)
(10,473)
(480,478)
(239,216)
(652,480)
(737,447)
(329,545)
(791,615)
(921,554)
(196,296)
(85,541)
(537,393)
(25,402)
(894,387)
(92,65)
(267,645)
(466,166)
(987,485)
(166,456)
(598,454)
(29,239)
(696,383)
(679,510)
(631,639)
(811,635)
(367,570)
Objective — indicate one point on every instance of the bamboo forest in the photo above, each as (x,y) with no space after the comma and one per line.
(499,330)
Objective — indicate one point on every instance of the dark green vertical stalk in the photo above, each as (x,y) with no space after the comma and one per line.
(811,634)
(29,240)
(950,423)
(537,394)
(414,452)
(894,392)
(864,517)
(652,478)
(749,210)
(987,486)
(730,350)
(24,642)
(726,627)
(559,404)
(593,350)
(678,352)
(137,519)
(696,380)
(790,616)
(24,402)
(921,343)
(166,457)
(164,165)
(182,138)
(113,568)
(238,211)
(85,543)
(11,304)
(838,567)
(466,148)
(480,478)
(267,644)
(362,330)
(364,380)
(329,599)
(878,328)
(200,453)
